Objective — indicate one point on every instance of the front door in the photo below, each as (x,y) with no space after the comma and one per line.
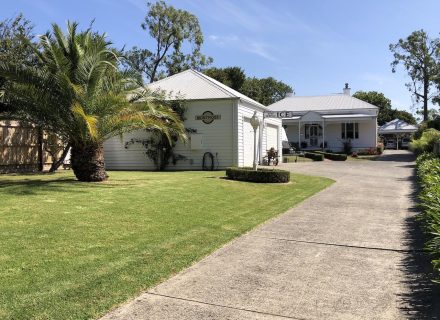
(313,135)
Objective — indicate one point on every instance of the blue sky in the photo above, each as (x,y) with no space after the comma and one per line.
(315,46)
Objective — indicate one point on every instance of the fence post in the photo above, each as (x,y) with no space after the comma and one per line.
(40,149)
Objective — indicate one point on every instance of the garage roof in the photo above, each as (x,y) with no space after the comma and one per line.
(194,85)
(397,126)
(320,103)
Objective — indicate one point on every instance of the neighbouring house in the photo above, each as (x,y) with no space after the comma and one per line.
(327,122)
(218,119)
(397,133)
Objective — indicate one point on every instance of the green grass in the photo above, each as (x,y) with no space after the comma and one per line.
(72,250)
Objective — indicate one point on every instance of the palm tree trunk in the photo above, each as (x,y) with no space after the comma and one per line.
(88,162)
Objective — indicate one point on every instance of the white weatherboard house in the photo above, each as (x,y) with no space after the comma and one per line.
(325,122)
(220,117)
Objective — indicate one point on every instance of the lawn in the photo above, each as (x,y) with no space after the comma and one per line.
(72,250)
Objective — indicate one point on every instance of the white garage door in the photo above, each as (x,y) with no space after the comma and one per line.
(248,143)
(271,137)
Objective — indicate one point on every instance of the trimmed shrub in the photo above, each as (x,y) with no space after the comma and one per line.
(314,156)
(333,156)
(261,175)
(379,148)
(428,173)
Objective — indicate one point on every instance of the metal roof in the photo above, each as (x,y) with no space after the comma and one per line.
(194,85)
(396,126)
(320,103)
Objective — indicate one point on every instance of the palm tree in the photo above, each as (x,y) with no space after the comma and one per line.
(80,94)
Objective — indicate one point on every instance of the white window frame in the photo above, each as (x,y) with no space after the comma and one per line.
(355,130)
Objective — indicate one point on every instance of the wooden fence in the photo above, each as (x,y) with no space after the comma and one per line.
(22,148)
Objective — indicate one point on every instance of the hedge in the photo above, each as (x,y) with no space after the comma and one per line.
(314,156)
(333,156)
(261,175)
(428,173)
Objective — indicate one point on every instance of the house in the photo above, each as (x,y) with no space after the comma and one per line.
(326,122)
(219,121)
(397,133)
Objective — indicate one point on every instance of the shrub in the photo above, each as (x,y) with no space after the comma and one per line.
(261,175)
(426,141)
(314,156)
(379,148)
(332,156)
(428,173)
(346,144)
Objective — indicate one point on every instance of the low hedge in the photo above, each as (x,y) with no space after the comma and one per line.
(314,156)
(428,174)
(333,156)
(261,175)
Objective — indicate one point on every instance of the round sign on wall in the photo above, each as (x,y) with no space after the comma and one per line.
(208,117)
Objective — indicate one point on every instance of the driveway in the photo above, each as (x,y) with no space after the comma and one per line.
(348,252)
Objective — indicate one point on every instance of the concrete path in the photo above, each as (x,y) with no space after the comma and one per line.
(349,252)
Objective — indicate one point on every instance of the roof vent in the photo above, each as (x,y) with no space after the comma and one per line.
(347,90)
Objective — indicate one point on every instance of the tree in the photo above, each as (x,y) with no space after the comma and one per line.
(79,93)
(266,90)
(172,29)
(405,116)
(417,54)
(15,35)
(233,77)
(386,112)
(379,100)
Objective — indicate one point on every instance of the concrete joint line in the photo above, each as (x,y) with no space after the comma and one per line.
(223,306)
(340,245)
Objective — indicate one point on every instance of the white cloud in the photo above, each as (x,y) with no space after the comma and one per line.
(244,44)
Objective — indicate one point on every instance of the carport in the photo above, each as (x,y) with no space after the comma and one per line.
(396,132)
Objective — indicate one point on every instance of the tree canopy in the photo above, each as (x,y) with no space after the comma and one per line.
(265,90)
(386,112)
(172,30)
(418,53)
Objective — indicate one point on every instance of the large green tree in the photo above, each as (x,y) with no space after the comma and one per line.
(233,77)
(172,30)
(265,90)
(386,112)
(417,53)
(79,93)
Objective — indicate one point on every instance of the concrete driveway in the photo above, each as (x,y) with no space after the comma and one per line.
(349,252)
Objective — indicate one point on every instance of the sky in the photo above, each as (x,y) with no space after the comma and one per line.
(316,46)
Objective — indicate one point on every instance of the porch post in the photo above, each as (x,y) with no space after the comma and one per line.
(299,134)
(323,135)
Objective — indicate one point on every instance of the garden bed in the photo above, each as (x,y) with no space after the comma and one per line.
(262,175)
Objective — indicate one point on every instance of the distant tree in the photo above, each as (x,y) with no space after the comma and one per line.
(172,29)
(417,54)
(266,90)
(405,116)
(233,77)
(379,100)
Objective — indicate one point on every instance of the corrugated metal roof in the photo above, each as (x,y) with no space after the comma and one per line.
(397,125)
(194,85)
(320,103)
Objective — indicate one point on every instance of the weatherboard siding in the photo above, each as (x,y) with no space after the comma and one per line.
(217,137)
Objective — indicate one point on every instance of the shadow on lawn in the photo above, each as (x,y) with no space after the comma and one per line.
(33,186)
(422,300)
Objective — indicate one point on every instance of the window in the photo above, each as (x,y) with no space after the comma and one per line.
(350,130)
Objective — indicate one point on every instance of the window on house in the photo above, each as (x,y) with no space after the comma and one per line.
(350,130)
